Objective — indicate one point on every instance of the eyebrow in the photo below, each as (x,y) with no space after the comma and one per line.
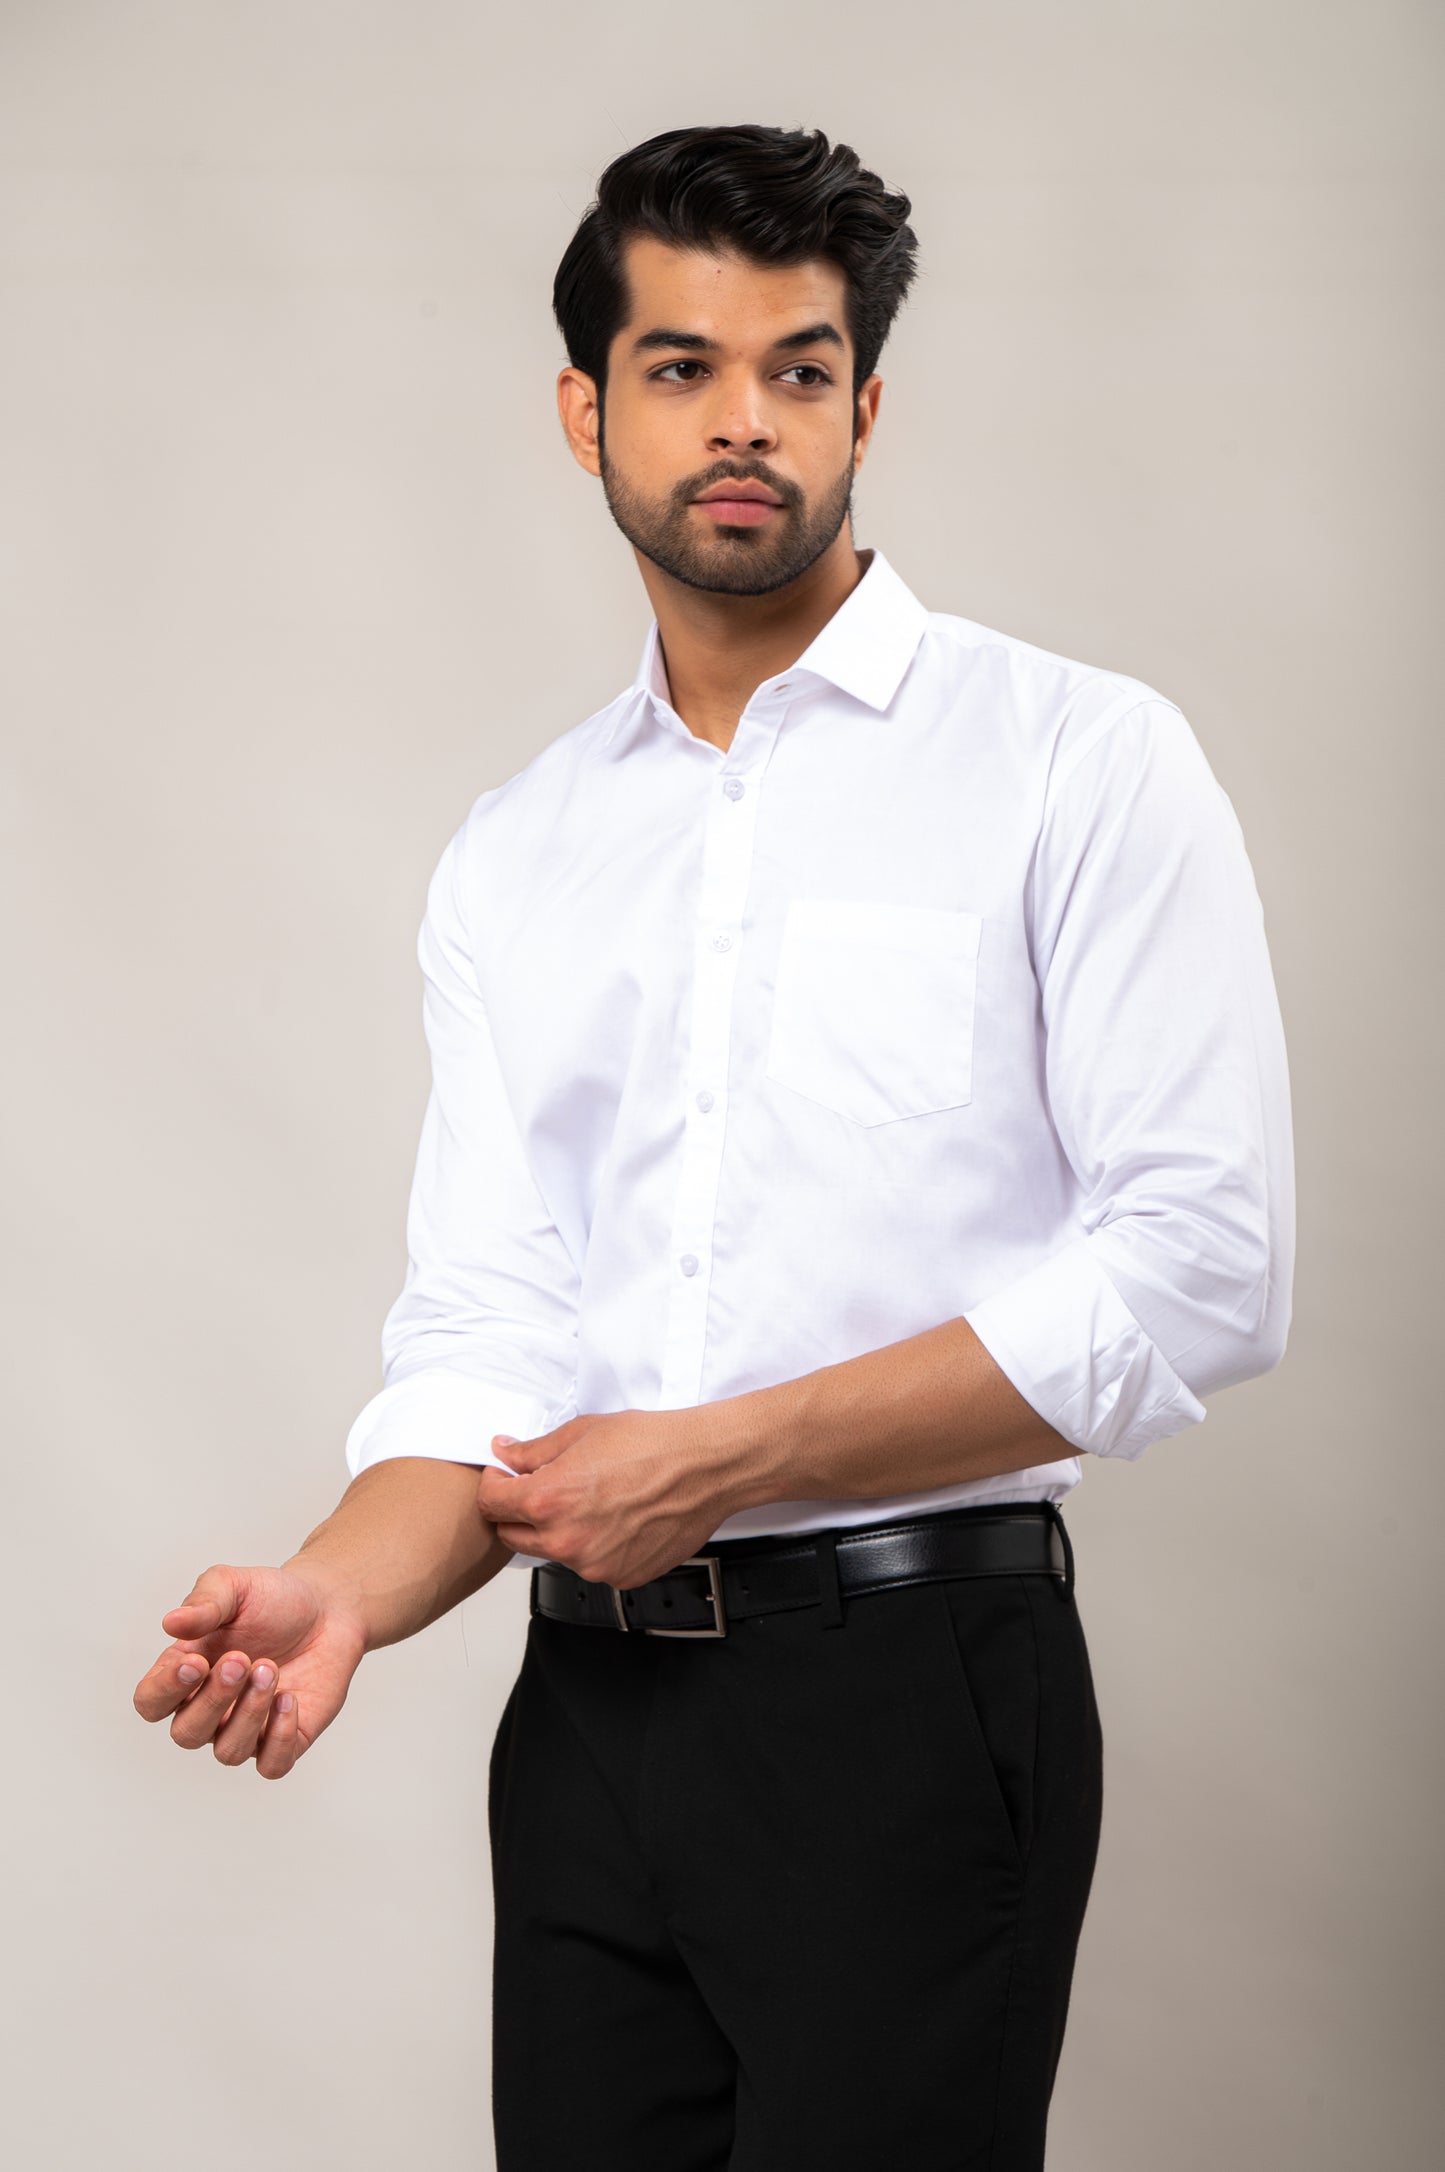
(812,335)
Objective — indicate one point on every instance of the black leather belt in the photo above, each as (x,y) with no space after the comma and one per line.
(739,1577)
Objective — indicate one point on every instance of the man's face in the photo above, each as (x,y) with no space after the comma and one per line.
(731,371)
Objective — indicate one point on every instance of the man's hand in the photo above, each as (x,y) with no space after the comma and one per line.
(261,1663)
(619,1497)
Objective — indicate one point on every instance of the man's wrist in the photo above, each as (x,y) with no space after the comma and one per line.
(336,1586)
(756,1441)
(406,1542)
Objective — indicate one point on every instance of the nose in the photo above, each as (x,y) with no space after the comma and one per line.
(739,423)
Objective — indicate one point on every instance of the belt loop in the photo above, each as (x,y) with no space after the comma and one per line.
(1065,1584)
(532,1606)
(826,1546)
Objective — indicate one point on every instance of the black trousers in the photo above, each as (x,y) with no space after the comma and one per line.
(798,1899)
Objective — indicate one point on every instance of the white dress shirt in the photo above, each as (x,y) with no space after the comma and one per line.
(944,990)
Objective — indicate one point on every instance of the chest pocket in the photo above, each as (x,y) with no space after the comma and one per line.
(873,1007)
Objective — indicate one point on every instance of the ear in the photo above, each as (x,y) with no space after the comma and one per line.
(869,394)
(578,407)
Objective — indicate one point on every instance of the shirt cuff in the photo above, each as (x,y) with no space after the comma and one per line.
(1073,1349)
(445,1414)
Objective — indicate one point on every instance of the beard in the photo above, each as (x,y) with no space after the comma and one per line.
(713,555)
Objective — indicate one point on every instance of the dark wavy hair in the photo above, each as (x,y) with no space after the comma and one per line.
(778,195)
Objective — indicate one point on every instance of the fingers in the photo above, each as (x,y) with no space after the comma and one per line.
(213,1600)
(522,1457)
(233,1706)
(175,1675)
(503,1499)
(198,1719)
(523,1538)
(240,1731)
(281,1744)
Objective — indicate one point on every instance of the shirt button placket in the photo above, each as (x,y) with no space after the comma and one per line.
(727,847)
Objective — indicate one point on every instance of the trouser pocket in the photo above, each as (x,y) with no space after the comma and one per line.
(991,1664)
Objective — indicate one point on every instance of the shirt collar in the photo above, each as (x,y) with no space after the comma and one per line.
(864,649)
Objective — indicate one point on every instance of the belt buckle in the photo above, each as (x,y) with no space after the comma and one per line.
(719,1626)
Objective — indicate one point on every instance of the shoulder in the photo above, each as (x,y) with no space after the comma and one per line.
(1061,704)
(508,822)
(495,850)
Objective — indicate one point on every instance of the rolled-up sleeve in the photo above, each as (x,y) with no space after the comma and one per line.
(483,1337)
(1167,1082)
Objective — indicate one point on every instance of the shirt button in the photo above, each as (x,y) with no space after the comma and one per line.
(734,787)
(704,1100)
(722,942)
(688,1263)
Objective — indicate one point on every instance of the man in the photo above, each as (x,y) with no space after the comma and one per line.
(858,1092)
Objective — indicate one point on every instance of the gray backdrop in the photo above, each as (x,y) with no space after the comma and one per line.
(296,564)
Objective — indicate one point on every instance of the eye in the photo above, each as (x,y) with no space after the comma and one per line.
(814,373)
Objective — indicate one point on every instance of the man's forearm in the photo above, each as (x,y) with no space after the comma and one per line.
(405,1543)
(622,1496)
(930,1411)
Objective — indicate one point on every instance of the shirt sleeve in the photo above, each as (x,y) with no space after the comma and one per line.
(1168,1086)
(483,1336)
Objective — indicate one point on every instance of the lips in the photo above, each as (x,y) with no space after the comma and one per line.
(735,490)
(740,504)
(739,512)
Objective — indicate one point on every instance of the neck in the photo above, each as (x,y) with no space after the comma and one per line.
(718,649)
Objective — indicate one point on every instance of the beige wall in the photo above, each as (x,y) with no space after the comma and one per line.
(295,565)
